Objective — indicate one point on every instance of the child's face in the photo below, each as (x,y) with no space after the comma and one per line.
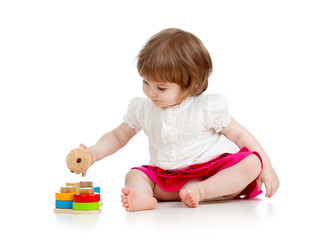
(163,94)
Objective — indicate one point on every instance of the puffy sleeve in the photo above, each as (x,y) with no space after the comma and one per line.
(133,117)
(216,112)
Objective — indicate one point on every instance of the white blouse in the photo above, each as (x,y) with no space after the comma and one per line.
(184,134)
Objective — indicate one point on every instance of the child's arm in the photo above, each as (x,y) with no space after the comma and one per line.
(243,138)
(110,142)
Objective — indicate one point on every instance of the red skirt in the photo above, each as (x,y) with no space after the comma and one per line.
(174,180)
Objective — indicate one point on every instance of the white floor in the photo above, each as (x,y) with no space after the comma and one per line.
(238,219)
(258,218)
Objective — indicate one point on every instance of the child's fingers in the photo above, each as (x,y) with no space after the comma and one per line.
(268,190)
(274,189)
(83,146)
(259,184)
(272,192)
(93,157)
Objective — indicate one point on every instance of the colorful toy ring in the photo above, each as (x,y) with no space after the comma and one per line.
(86,198)
(86,206)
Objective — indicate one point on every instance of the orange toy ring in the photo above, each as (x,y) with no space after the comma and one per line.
(65,196)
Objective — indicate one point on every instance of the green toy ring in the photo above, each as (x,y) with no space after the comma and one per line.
(86,206)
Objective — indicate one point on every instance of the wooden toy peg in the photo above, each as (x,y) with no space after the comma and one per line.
(73,184)
(86,191)
(78,160)
(86,184)
(68,189)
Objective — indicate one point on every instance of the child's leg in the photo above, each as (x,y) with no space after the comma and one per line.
(161,195)
(138,192)
(141,193)
(228,182)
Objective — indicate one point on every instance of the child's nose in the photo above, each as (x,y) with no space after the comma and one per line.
(153,93)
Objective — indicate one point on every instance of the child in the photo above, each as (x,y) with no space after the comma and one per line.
(197,151)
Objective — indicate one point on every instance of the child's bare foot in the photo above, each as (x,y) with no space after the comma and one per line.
(134,201)
(190,198)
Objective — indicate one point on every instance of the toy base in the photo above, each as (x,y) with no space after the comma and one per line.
(77,212)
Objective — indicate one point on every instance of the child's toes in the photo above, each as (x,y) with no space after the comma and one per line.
(125,191)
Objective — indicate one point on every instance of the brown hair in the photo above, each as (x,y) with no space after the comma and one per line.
(176,56)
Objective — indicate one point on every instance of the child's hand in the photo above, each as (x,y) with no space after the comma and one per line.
(270,179)
(93,155)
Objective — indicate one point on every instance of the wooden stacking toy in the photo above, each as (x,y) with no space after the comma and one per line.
(86,184)
(78,198)
(78,160)
(64,199)
(77,185)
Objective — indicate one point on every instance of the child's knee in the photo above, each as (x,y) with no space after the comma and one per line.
(133,173)
(253,165)
(136,174)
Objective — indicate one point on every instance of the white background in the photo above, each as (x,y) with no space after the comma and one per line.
(67,72)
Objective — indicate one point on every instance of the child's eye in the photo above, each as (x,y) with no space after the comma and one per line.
(145,82)
(162,89)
